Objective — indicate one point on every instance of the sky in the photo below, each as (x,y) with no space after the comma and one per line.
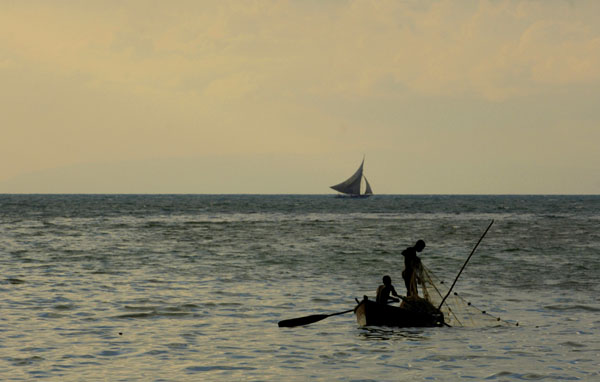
(271,97)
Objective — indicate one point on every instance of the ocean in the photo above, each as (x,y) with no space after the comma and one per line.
(191,287)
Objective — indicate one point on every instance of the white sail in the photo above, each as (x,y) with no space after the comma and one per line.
(368,190)
(351,186)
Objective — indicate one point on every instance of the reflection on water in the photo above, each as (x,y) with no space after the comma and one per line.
(191,288)
(393,334)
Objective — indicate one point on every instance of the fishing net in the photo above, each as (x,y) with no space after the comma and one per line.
(457,311)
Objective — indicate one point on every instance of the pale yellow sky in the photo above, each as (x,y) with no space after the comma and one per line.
(287,96)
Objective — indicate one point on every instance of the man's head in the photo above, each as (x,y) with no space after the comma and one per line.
(387,280)
(419,245)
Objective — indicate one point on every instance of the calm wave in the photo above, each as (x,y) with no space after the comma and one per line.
(191,287)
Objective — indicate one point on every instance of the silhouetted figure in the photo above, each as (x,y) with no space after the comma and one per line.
(383,291)
(412,268)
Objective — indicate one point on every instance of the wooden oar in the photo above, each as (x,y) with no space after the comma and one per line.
(308,319)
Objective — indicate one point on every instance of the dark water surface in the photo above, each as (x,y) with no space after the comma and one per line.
(191,287)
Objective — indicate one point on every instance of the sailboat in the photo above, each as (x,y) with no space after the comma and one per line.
(352,186)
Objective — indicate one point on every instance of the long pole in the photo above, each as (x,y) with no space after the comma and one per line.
(464,265)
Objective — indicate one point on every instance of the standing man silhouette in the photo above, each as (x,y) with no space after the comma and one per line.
(412,268)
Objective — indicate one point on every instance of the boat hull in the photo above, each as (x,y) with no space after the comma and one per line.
(419,313)
(354,196)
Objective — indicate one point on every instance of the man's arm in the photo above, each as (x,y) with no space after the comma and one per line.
(393,291)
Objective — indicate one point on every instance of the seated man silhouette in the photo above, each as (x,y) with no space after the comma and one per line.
(383,291)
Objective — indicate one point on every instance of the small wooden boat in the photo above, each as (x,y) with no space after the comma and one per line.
(415,312)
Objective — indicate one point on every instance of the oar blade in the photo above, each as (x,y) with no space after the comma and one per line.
(300,321)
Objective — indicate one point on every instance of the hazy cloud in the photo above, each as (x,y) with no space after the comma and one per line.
(87,82)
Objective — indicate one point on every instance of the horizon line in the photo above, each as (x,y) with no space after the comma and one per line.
(282,194)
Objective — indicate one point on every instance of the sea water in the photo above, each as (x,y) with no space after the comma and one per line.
(191,287)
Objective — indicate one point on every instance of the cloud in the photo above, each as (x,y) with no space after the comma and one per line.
(493,49)
(137,80)
(561,53)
